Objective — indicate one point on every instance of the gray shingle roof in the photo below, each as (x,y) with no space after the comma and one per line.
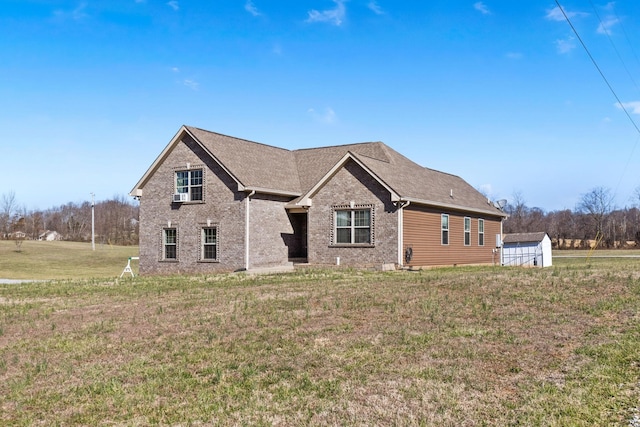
(253,164)
(296,172)
(314,163)
(524,237)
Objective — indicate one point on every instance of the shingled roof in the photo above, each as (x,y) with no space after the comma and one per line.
(297,173)
(524,237)
(252,164)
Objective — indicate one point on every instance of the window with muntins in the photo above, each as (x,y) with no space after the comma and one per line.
(467,231)
(353,226)
(170,244)
(190,182)
(481,232)
(209,244)
(444,225)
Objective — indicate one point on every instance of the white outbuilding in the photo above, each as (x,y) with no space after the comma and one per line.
(526,250)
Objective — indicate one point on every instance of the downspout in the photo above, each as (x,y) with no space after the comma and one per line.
(246,231)
(401,206)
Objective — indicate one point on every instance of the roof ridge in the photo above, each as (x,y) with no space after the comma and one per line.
(442,172)
(337,146)
(387,160)
(239,139)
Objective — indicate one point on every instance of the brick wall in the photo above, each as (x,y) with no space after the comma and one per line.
(352,183)
(269,225)
(223,205)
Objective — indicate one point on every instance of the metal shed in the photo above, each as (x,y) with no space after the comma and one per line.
(527,250)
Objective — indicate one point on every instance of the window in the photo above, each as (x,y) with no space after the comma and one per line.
(352,226)
(467,231)
(169,244)
(209,244)
(444,225)
(481,232)
(190,182)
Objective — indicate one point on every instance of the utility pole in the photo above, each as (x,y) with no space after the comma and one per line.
(93,224)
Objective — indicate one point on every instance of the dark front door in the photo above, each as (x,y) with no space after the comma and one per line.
(298,243)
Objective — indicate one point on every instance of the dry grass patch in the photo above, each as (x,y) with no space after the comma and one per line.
(466,346)
(63,260)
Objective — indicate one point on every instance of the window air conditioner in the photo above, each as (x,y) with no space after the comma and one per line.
(181,197)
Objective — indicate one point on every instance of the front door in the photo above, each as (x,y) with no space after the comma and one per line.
(297,245)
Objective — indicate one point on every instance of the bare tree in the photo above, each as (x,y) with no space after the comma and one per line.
(7,209)
(596,205)
(18,234)
(517,211)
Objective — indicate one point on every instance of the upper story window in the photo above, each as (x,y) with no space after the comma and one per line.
(467,231)
(188,185)
(481,232)
(444,226)
(353,226)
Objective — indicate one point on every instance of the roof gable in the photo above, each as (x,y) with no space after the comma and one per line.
(306,198)
(300,173)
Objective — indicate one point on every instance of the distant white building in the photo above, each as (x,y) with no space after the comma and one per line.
(50,236)
(527,250)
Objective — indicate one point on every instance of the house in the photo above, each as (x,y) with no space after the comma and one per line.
(50,236)
(211,202)
(527,249)
(17,235)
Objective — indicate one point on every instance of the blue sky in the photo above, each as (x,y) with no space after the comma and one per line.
(501,93)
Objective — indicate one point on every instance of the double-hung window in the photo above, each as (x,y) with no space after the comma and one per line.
(352,226)
(209,244)
(444,226)
(189,182)
(170,244)
(467,231)
(481,232)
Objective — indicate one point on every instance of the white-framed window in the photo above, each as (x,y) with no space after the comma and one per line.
(353,225)
(444,226)
(481,232)
(169,244)
(209,244)
(467,231)
(189,182)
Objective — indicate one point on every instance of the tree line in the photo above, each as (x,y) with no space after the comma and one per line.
(594,219)
(116,221)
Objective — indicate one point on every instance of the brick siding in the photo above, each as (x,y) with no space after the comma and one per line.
(223,206)
(352,183)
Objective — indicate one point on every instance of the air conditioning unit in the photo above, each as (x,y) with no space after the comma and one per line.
(181,197)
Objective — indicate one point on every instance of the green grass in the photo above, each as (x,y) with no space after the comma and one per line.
(63,260)
(454,346)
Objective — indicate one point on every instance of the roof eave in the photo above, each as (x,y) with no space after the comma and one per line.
(272,191)
(454,207)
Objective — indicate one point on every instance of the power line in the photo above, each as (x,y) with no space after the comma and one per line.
(624,31)
(605,30)
(620,104)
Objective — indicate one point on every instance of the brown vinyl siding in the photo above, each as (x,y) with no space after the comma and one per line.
(422,232)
